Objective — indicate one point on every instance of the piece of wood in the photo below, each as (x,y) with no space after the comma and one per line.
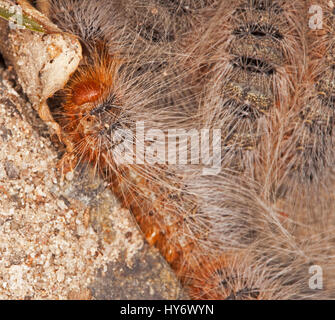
(43,61)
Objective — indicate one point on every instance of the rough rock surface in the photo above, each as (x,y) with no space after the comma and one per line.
(64,238)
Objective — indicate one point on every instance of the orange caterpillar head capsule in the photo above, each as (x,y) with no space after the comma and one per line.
(85,92)
(92,110)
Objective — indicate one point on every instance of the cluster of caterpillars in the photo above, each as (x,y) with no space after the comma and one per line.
(255,70)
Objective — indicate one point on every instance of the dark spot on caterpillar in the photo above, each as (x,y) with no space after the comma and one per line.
(263,5)
(259,5)
(329,101)
(154,66)
(312,143)
(247,111)
(321,123)
(225,282)
(174,6)
(258,30)
(249,237)
(240,294)
(108,105)
(219,272)
(253,65)
(182,7)
(156,35)
(108,131)
(173,196)
(242,111)
(244,294)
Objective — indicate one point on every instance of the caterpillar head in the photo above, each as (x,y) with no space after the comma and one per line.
(93,111)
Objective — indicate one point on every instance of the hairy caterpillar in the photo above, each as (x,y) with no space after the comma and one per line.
(251,68)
